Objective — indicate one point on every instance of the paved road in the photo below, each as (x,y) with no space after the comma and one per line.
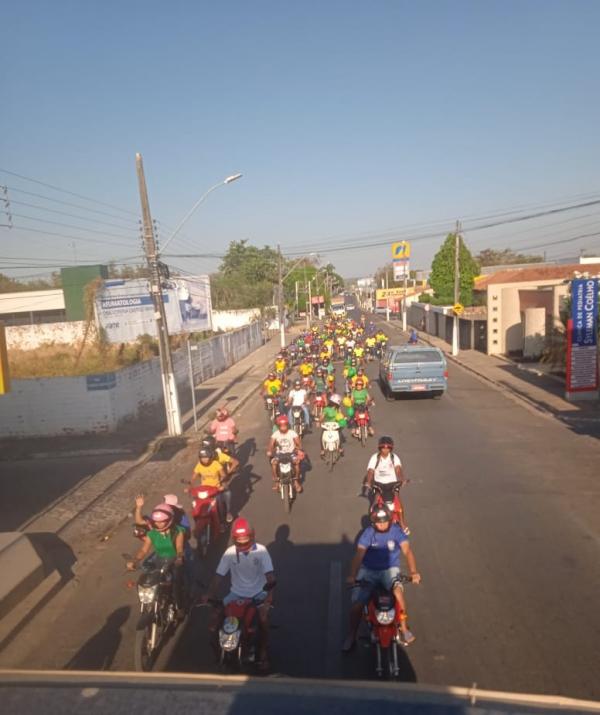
(504,510)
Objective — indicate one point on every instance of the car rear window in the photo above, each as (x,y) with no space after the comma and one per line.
(411,356)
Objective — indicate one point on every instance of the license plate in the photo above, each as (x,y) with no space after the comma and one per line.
(418,388)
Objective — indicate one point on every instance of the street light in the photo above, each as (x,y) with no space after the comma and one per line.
(228,180)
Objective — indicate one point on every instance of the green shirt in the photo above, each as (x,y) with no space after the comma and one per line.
(163,542)
(360,397)
(329,414)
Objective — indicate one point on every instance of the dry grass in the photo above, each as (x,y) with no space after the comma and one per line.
(60,360)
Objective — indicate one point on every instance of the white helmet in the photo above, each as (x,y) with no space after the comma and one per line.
(336,399)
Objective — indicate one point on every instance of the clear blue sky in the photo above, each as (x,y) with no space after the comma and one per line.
(345,118)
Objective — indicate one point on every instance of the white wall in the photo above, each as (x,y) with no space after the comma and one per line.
(29,337)
(231,319)
(55,406)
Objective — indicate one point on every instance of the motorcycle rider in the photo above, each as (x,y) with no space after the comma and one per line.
(251,569)
(360,375)
(361,399)
(166,539)
(223,427)
(298,397)
(385,470)
(284,441)
(376,562)
(210,472)
(272,388)
(413,338)
(331,414)
(229,463)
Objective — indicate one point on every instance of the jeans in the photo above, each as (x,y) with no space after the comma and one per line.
(304,409)
(384,578)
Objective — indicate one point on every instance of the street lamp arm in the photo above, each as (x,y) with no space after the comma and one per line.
(228,180)
(303,258)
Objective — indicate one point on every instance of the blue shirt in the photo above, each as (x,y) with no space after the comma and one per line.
(383,547)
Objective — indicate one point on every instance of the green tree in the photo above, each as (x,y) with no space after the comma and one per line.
(505,257)
(442,273)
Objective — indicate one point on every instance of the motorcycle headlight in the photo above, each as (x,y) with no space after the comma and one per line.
(147,594)
(385,617)
(229,641)
(202,495)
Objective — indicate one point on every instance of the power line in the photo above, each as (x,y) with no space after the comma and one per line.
(66,213)
(69,225)
(65,191)
(72,205)
(71,238)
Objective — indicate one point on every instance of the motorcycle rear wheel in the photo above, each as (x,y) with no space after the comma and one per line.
(363,435)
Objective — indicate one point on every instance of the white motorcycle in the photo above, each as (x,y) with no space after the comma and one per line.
(330,441)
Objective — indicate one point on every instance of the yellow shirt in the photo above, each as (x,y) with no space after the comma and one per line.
(222,457)
(370,342)
(380,336)
(359,352)
(280,365)
(269,384)
(210,474)
(305,369)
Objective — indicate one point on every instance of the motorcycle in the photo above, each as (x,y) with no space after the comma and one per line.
(158,614)
(238,632)
(285,475)
(330,441)
(272,406)
(382,617)
(298,421)
(205,513)
(319,403)
(362,420)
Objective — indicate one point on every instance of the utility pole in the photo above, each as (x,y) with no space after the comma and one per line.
(404,311)
(387,299)
(296,303)
(455,325)
(309,308)
(166,362)
(280,306)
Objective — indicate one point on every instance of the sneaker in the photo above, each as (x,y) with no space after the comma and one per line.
(229,517)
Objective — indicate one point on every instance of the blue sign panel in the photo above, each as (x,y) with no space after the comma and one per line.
(582,369)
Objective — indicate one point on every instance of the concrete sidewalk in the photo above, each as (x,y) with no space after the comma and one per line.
(541,392)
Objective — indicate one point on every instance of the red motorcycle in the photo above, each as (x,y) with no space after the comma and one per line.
(205,512)
(362,420)
(382,616)
(388,495)
(319,403)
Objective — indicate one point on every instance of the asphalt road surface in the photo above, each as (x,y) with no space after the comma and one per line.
(504,511)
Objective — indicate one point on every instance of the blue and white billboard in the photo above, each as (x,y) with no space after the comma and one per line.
(125,310)
(582,358)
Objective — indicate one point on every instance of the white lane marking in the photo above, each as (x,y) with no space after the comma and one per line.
(333,659)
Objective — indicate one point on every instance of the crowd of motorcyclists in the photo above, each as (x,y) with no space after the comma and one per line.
(301,393)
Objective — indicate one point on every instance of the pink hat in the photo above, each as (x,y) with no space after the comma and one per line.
(173,500)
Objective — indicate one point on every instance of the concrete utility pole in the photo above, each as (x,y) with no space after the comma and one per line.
(172,410)
(387,299)
(280,305)
(309,308)
(404,302)
(455,325)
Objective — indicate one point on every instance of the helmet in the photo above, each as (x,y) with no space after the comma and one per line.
(380,514)
(271,375)
(279,356)
(205,453)
(162,517)
(360,370)
(385,442)
(282,420)
(242,534)
(297,383)
(336,399)
(319,371)
(173,500)
(208,442)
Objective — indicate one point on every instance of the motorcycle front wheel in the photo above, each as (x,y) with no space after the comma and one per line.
(143,657)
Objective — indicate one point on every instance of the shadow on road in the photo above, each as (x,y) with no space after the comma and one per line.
(99,651)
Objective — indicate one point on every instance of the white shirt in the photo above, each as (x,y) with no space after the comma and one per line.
(385,471)
(247,569)
(298,397)
(285,442)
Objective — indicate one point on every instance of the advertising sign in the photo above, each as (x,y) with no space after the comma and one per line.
(125,310)
(401,270)
(383,293)
(400,251)
(582,332)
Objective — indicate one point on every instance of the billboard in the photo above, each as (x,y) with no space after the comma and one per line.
(400,251)
(125,310)
(582,337)
(401,270)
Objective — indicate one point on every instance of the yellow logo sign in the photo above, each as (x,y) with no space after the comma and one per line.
(400,250)
(382,293)
(458,309)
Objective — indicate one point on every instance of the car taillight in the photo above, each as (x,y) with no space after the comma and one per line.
(389,376)
(446,374)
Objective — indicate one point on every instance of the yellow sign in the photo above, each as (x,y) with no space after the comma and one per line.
(400,250)
(382,293)
(4,376)
(459,309)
